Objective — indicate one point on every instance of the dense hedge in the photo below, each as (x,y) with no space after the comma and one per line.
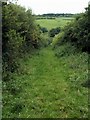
(20,34)
(78,32)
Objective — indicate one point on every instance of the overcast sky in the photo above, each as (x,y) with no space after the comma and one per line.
(55,6)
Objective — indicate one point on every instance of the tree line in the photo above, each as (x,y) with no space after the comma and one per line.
(56,15)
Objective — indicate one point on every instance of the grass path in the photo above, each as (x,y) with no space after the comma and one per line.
(46,93)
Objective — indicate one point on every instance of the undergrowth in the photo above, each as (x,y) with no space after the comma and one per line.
(49,86)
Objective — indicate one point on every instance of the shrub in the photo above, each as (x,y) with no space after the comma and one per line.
(56,39)
(54,31)
(11,48)
(77,32)
(65,50)
(44,40)
(19,34)
(43,29)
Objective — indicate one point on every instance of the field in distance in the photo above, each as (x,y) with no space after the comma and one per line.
(53,23)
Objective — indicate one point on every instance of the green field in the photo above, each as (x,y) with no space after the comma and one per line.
(53,23)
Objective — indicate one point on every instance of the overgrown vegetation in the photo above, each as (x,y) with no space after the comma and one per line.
(73,40)
(77,32)
(54,31)
(38,81)
(49,87)
(20,35)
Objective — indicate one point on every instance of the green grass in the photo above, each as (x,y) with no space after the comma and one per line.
(53,23)
(48,87)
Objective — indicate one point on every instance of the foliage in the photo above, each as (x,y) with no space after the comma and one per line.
(56,39)
(54,31)
(77,32)
(51,15)
(43,29)
(11,51)
(65,50)
(51,87)
(45,40)
(19,34)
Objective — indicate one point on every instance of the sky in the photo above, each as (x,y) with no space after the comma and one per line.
(54,6)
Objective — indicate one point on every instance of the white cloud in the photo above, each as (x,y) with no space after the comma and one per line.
(55,6)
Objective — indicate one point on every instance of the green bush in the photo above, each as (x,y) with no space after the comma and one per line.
(65,50)
(44,40)
(54,31)
(43,29)
(11,48)
(19,35)
(77,32)
(56,39)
